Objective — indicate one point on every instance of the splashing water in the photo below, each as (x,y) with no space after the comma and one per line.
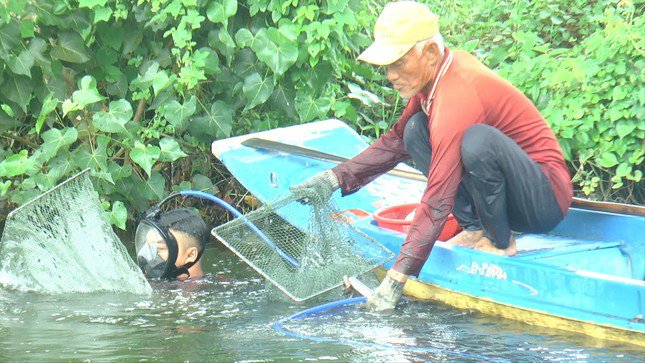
(62,242)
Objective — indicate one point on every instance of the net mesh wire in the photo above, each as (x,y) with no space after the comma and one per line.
(62,242)
(302,244)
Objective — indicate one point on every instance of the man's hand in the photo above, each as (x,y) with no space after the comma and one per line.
(324,183)
(388,294)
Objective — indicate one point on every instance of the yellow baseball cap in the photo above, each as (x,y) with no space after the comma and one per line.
(399,27)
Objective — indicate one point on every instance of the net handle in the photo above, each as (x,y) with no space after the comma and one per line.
(236,213)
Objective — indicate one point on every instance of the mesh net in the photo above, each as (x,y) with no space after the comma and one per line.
(62,242)
(302,244)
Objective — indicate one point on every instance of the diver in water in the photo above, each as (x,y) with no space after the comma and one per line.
(169,245)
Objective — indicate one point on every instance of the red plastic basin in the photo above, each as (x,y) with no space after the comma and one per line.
(394,218)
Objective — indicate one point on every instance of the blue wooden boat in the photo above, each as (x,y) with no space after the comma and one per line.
(585,276)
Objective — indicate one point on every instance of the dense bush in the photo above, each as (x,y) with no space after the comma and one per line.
(131,88)
(128,88)
(592,96)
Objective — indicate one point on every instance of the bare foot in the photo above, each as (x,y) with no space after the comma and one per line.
(466,238)
(484,244)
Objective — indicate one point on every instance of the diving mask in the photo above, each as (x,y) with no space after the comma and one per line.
(156,240)
(156,249)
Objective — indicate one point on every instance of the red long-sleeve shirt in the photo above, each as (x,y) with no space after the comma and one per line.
(468,93)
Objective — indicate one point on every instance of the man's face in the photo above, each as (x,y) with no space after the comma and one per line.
(414,72)
(153,238)
(184,244)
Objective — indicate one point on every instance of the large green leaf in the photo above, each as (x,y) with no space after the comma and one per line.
(132,41)
(625,127)
(48,12)
(220,10)
(49,105)
(118,214)
(170,150)
(60,166)
(22,63)
(48,180)
(102,14)
(309,108)
(218,122)
(177,114)
(275,50)
(79,21)
(119,87)
(9,37)
(143,82)
(283,100)
(607,159)
(162,81)
(91,3)
(256,90)
(119,172)
(204,184)
(55,140)
(145,155)
(87,94)
(245,63)
(319,77)
(93,156)
(119,113)
(37,47)
(57,85)
(17,164)
(154,187)
(4,187)
(27,27)
(18,89)
(243,38)
(70,48)
(111,34)
(222,42)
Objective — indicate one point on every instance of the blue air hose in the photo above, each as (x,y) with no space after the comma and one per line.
(324,308)
(236,213)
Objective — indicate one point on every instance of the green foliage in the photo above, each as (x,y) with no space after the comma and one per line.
(592,96)
(131,88)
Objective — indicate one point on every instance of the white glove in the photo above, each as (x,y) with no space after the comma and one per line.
(387,295)
(324,183)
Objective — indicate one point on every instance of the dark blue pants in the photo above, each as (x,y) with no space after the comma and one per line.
(502,188)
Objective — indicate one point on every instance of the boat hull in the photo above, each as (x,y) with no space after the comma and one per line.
(420,290)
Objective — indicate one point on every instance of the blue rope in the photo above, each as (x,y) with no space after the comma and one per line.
(321,309)
(236,213)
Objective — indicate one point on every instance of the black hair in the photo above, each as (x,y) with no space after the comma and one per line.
(186,221)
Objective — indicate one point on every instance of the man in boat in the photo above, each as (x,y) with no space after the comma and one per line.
(490,157)
(170,244)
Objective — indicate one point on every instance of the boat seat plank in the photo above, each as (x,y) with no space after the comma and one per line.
(534,246)
(575,254)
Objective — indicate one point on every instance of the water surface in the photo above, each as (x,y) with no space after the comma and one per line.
(229,315)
